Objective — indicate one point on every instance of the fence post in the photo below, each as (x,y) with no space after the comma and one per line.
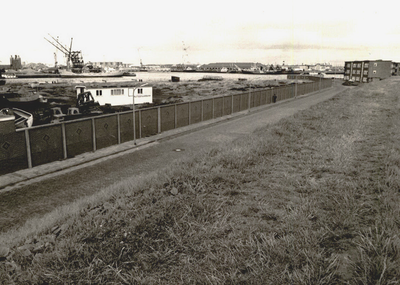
(140,124)
(189,112)
(249,99)
(94,134)
(213,106)
(159,119)
(232,104)
(64,139)
(176,116)
(28,148)
(134,124)
(202,110)
(119,128)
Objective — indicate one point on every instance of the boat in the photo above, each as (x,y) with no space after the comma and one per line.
(70,74)
(7,124)
(30,73)
(22,119)
(210,78)
(129,73)
(175,78)
(29,102)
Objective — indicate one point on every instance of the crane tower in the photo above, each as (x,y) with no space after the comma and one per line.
(74,58)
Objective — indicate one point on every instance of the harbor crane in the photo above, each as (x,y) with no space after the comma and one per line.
(185,54)
(74,58)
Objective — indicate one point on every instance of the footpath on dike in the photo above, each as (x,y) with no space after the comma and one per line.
(24,177)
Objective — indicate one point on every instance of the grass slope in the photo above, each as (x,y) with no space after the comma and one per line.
(313,199)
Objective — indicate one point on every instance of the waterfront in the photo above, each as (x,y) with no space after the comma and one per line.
(161,77)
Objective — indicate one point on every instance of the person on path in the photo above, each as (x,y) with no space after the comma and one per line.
(274,98)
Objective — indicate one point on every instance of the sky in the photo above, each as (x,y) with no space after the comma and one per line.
(200,32)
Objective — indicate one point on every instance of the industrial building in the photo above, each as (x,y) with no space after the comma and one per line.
(367,70)
(15,63)
(232,67)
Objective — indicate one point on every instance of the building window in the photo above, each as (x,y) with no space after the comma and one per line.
(375,64)
(358,79)
(365,79)
(348,71)
(365,72)
(374,71)
(99,92)
(366,65)
(117,91)
(348,64)
(358,65)
(358,71)
(140,91)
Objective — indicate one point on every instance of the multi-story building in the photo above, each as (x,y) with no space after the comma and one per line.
(367,70)
(395,68)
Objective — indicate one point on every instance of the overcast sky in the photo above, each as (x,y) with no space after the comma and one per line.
(211,31)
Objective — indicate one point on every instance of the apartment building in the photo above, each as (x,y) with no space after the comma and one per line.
(395,68)
(367,70)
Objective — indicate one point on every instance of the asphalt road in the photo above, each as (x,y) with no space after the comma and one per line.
(50,191)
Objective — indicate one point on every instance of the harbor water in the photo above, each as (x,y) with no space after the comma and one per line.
(160,77)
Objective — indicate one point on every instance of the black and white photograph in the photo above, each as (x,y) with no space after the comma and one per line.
(199,142)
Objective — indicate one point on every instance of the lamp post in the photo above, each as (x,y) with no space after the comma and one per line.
(133,112)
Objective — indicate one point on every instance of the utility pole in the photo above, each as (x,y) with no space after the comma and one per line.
(133,111)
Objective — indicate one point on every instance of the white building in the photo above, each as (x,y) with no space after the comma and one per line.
(119,96)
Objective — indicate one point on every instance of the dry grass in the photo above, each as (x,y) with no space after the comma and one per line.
(311,200)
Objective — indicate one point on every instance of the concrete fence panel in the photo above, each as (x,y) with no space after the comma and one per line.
(207,109)
(195,112)
(79,137)
(126,126)
(46,144)
(167,118)
(277,92)
(13,154)
(244,101)
(263,97)
(300,89)
(182,114)
(227,105)
(218,107)
(285,93)
(236,103)
(258,99)
(149,122)
(254,99)
(268,96)
(106,130)
(290,91)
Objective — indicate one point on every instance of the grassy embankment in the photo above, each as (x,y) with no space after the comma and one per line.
(313,199)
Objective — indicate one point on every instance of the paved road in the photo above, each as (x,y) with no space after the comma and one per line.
(39,196)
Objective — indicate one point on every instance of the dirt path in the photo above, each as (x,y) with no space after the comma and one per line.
(39,197)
